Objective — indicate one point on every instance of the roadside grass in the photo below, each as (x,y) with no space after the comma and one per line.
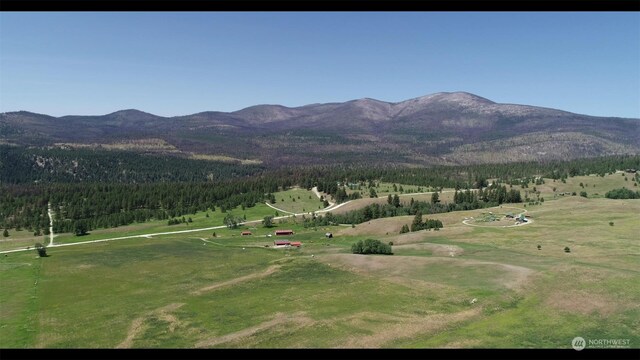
(21,239)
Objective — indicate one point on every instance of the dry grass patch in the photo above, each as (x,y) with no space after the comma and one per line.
(383,226)
(292,322)
(446,270)
(582,302)
(139,326)
(270,270)
(406,328)
(435,249)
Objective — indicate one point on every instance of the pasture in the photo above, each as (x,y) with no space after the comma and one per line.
(297,201)
(194,290)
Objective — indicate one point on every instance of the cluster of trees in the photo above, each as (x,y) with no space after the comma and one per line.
(370,246)
(420,224)
(494,194)
(623,193)
(176,221)
(267,221)
(231,221)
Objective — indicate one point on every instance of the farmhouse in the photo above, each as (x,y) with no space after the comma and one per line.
(282,242)
(284,232)
(245,233)
(328,235)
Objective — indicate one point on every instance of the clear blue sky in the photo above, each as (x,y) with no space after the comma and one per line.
(182,63)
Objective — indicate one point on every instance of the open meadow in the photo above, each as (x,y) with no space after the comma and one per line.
(461,286)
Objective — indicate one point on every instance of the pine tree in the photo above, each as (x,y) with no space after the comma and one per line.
(417,223)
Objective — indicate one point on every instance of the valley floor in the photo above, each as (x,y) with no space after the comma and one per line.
(463,286)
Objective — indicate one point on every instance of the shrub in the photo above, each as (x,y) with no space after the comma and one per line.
(371,246)
(566,249)
(41,249)
(610,223)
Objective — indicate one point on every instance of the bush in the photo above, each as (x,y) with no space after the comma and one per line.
(610,223)
(583,194)
(370,246)
(267,221)
(41,249)
(623,193)
(566,249)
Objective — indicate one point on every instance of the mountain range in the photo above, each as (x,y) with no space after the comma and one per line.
(442,128)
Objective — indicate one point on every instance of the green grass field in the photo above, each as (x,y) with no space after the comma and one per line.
(194,290)
(297,201)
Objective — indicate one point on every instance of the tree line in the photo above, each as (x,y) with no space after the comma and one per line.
(122,188)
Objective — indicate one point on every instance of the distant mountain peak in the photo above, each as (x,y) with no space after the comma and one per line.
(456,96)
(129,112)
